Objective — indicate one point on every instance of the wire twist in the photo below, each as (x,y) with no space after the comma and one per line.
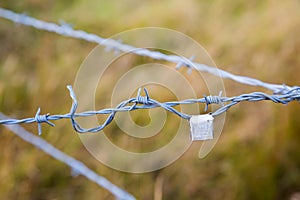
(213,100)
(42,119)
(142,99)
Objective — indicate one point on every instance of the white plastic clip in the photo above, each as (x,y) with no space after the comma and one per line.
(202,127)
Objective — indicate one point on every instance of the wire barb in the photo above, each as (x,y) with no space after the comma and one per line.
(186,62)
(42,119)
(114,48)
(143,99)
(213,100)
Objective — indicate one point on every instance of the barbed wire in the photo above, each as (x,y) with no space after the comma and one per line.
(67,30)
(77,167)
(146,102)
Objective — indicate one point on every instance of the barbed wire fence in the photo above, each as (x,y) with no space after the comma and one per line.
(282,94)
(146,102)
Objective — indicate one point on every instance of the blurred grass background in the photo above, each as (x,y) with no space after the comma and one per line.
(257,156)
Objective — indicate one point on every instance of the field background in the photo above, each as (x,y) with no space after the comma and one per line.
(257,156)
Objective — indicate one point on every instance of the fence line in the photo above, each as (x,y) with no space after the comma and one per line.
(67,30)
(76,166)
(282,94)
(146,102)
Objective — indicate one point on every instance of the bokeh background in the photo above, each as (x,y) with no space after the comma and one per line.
(257,156)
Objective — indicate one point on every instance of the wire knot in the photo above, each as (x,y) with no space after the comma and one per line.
(142,99)
(213,100)
(42,119)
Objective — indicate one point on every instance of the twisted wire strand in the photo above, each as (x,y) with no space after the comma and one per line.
(76,166)
(146,102)
(110,44)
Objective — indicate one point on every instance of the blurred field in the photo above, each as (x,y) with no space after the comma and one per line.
(257,156)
